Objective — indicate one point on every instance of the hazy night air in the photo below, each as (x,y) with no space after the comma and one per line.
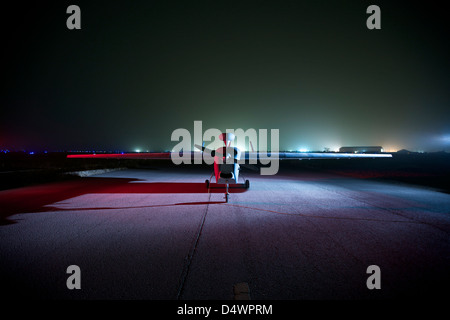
(137,70)
(204,152)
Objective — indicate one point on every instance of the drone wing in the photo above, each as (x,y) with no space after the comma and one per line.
(133,155)
(310,155)
(245,157)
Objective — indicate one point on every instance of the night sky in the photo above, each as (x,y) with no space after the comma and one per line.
(137,70)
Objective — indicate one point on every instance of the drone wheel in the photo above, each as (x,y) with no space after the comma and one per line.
(207,184)
(247,184)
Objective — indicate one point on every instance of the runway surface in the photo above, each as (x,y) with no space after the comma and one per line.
(160,234)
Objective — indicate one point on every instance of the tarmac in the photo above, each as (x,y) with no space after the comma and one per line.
(161,234)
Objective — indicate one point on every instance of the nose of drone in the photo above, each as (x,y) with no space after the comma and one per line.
(226,137)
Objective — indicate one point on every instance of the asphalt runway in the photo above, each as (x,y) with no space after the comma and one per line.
(159,234)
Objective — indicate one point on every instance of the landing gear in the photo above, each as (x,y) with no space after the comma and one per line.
(226,194)
(210,185)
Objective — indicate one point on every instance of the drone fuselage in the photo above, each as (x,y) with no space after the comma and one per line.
(226,168)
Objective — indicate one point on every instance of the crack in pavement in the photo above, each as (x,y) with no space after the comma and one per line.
(191,253)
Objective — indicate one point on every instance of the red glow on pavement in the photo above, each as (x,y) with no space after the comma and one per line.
(37,198)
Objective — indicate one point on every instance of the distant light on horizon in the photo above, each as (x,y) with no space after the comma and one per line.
(334,149)
(446,138)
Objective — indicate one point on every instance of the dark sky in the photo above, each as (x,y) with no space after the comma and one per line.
(137,70)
